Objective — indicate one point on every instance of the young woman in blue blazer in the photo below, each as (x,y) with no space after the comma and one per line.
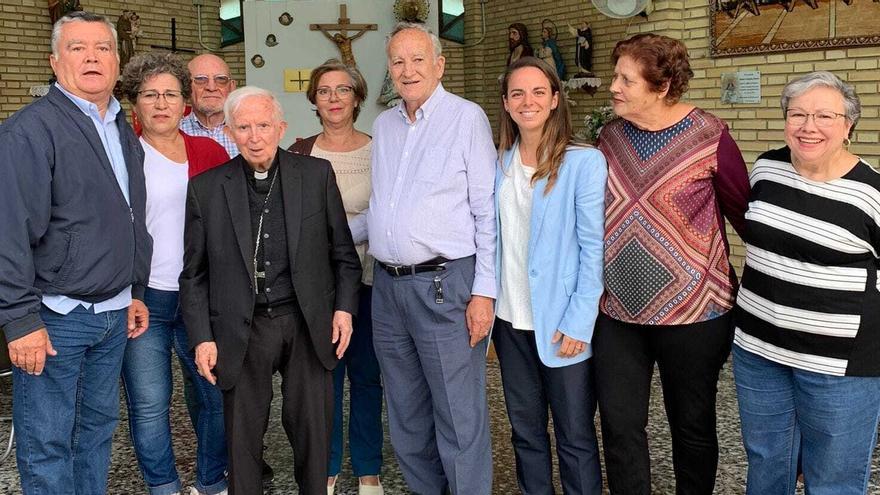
(550,211)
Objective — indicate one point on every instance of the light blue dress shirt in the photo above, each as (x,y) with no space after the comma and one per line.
(433,187)
(109,134)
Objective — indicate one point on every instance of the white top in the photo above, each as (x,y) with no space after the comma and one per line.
(352,169)
(515,211)
(166,204)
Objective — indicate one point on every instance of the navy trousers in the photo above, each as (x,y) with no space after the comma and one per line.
(530,388)
(435,383)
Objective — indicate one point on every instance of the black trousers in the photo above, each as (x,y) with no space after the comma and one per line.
(280,344)
(530,388)
(689,358)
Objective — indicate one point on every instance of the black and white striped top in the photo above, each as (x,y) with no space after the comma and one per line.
(809,296)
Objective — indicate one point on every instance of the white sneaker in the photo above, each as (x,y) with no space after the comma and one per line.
(331,489)
(193,491)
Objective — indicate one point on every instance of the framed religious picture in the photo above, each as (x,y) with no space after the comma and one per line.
(746,27)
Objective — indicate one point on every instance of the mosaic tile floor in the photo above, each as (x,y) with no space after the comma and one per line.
(126,479)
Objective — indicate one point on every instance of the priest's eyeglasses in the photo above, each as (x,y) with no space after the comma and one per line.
(822,118)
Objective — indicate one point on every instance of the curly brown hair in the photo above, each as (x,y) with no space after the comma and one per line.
(146,65)
(663,60)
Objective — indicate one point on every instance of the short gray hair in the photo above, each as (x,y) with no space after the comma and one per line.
(237,97)
(404,25)
(851,103)
(79,16)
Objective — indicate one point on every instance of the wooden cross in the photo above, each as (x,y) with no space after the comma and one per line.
(173,47)
(341,37)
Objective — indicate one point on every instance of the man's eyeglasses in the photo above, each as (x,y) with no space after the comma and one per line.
(150,96)
(822,118)
(342,92)
(220,80)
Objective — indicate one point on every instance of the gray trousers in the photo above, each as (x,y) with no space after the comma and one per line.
(435,383)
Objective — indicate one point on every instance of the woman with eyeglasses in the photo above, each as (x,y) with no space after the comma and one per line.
(158,86)
(806,358)
(337,91)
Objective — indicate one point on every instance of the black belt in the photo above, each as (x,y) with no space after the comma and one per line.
(433,265)
(276,309)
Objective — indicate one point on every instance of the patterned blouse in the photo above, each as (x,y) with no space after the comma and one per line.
(665,245)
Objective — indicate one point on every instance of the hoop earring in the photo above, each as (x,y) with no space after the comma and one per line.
(846,142)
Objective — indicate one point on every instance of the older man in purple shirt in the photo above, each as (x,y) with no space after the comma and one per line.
(431,228)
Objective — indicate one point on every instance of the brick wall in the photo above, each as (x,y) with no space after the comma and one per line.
(454,77)
(473,69)
(25,30)
(756,128)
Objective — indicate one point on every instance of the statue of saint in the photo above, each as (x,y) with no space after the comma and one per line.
(127,32)
(583,48)
(518,42)
(550,53)
(57,8)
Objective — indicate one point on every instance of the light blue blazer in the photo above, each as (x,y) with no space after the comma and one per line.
(566,241)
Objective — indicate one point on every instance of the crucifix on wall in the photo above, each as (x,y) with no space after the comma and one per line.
(341,38)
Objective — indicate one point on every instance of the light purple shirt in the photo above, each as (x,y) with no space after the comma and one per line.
(433,186)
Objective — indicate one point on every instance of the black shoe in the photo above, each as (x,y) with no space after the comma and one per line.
(268,472)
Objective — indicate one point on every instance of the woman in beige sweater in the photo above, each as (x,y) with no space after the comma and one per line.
(337,91)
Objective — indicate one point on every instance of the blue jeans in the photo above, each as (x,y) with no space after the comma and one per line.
(146,375)
(365,408)
(65,417)
(831,421)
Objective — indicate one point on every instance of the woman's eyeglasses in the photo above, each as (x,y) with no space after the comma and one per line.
(151,96)
(342,92)
(822,118)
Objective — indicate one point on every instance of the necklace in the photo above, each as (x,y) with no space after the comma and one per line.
(257,273)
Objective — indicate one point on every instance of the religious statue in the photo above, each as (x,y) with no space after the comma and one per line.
(583,48)
(411,10)
(57,8)
(128,29)
(518,42)
(341,37)
(343,42)
(549,52)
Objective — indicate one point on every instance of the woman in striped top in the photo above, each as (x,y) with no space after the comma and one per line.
(807,354)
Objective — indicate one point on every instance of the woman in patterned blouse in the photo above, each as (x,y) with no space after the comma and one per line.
(674,174)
